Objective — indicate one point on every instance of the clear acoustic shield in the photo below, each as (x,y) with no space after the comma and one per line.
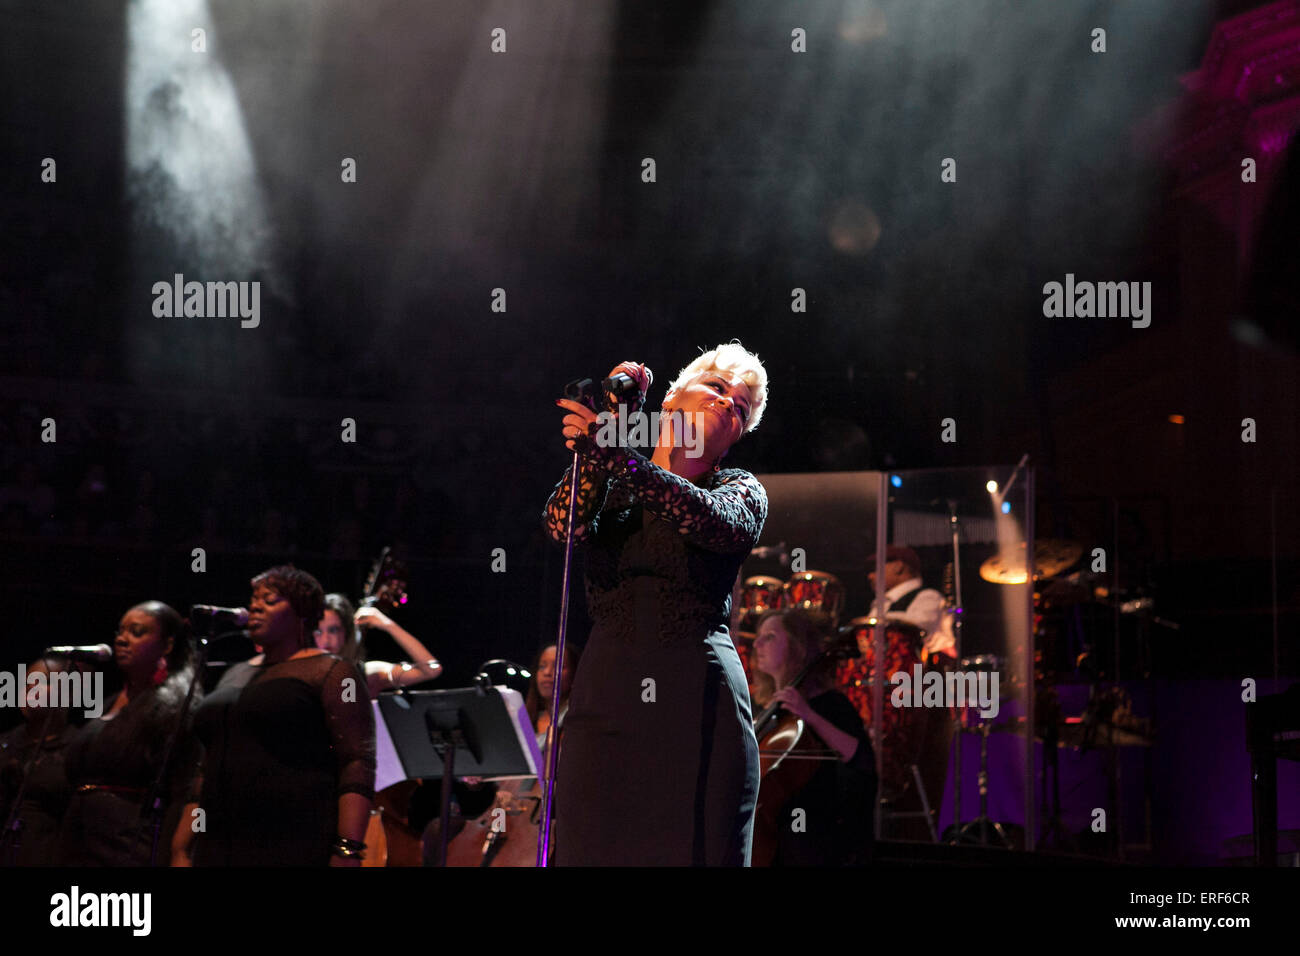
(953,622)
(935,653)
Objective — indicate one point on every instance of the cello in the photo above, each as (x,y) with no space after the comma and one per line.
(390,840)
(790,753)
(506,833)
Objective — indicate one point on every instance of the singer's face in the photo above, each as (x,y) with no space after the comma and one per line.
(719,403)
(329,636)
(139,643)
(271,619)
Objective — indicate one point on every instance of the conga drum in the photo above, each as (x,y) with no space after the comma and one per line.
(817,593)
(758,595)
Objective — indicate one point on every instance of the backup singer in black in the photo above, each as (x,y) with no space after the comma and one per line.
(659,717)
(288,770)
(112,761)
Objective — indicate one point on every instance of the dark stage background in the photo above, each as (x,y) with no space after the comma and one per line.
(522,171)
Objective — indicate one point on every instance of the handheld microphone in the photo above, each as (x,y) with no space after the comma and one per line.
(230,615)
(627,386)
(94,653)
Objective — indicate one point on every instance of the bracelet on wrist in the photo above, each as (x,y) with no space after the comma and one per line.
(349,849)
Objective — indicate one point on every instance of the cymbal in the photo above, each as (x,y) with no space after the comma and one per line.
(1075,733)
(1069,589)
(1051,557)
(1103,734)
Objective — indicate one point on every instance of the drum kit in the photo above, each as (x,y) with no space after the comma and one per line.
(1063,653)
(821,596)
(1057,658)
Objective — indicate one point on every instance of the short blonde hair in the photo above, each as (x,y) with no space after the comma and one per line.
(731,357)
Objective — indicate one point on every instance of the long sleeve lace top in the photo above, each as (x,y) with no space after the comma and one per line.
(637,520)
(726,515)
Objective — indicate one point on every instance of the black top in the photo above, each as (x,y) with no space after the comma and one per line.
(281,744)
(119,757)
(659,715)
(837,803)
(45,796)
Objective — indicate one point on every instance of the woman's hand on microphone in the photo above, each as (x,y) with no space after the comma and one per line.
(579,418)
(576,422)
(638,371)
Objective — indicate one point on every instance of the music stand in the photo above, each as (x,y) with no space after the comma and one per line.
(442,734)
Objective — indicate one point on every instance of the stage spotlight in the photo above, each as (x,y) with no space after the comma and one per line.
(1006,507)
(866,22)
(854,228)
(991,487)
(896,481)
(1177,419)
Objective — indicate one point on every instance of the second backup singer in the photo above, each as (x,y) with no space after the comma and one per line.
(659,764)
(288,770)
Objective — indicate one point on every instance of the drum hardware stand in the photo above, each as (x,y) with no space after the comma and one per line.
(1145,620)
(1055,829)
(925,810)
(925,803)
(1096,722)
(955,525)
(983,822)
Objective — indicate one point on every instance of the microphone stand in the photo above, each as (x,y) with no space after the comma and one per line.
(155,799)
(954,526)
(552,751)
(958,608)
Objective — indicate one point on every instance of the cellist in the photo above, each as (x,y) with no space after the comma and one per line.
(837,803)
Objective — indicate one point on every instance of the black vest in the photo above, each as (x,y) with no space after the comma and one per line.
(903,603)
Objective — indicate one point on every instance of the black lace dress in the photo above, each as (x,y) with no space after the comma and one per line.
(281,744)
(659,764)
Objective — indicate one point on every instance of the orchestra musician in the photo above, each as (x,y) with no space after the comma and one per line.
(537,702)
(660,706)
(838,802)
(907,599)
(337,634)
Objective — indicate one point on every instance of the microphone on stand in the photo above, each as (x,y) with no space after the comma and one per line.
(777,551)
(92,653)
(237,616)
(623,388)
